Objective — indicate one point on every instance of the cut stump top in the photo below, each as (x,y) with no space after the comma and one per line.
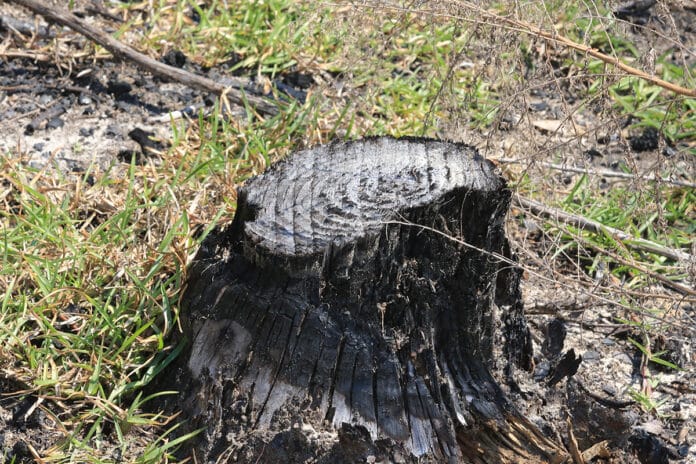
(330,195)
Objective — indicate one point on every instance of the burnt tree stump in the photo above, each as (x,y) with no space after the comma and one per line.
(340,316)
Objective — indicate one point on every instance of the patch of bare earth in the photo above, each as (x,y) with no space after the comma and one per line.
(75,110)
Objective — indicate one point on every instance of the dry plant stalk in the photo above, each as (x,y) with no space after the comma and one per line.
(526,28)
(626,239)
(562,40)
(595,227)
(601,172)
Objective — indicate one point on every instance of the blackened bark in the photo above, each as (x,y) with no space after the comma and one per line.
(341,316)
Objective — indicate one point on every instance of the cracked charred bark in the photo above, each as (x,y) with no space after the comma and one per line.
(336,318)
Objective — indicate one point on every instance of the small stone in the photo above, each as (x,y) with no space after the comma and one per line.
(175,58)
(541,106)
(592,153)
(683,450)
(370,459)
(119,88)
(124,106)
(25,108)
(113,130)
(590,355)
(86,131)
(541,371)
(648,140)
(623,358)
(55,123)
(84,100)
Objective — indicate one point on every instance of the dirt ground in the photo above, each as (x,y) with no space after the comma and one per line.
(92,113)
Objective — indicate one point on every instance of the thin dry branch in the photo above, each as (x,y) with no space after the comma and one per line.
(526,28)
(126,53)
(560,39)
(596,227)
(683,289)
(601,172)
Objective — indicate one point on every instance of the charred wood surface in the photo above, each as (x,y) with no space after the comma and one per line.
(336,318)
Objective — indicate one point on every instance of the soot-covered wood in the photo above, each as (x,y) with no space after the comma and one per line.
(340,316)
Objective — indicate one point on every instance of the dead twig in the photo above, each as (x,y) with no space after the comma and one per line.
(555,37)
(600,449)
(556,306)
(126,53)
(31,55)
(596,227)
(608,402)
(573,443)
(601,172)
(625,239)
